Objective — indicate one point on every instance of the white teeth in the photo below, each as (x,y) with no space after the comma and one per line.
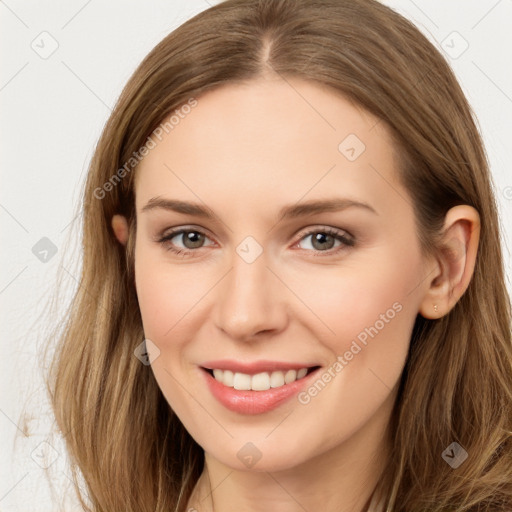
(302,373)
(242,381)
(276,380)
(260,381)
(227,378)
(290,376)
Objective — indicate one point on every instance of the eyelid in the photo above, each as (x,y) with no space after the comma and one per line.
(325,229)
(170,233)
(346,239)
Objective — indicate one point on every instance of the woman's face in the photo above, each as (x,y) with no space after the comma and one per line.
(299,252)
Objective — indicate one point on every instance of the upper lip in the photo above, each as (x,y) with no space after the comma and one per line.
(254,367)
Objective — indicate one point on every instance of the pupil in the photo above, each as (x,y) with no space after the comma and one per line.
(193,239)
(321,239)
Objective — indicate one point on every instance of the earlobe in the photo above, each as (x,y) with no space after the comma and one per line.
(455,262)
(120,228)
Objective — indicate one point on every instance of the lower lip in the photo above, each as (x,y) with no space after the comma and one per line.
(254,402)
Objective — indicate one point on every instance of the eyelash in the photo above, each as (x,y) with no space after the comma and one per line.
(346,241)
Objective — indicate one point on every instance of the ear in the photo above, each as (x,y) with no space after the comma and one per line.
(454,263)
(120,228)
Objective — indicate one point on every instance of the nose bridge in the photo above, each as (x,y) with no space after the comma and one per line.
(248,301)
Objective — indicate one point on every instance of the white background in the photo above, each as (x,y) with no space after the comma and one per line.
(53,110)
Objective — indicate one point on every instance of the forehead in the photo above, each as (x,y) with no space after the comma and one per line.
(261,140)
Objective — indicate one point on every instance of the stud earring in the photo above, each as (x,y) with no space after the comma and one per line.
(435,308)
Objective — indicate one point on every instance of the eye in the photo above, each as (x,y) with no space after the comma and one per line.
(325,239)
(320,240)
(184,241)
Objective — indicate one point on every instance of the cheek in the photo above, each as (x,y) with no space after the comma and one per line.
(167,293)
(367,313)
(358,299)
(371,317)
(169,297)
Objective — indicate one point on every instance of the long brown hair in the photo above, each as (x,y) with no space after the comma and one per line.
(122,436)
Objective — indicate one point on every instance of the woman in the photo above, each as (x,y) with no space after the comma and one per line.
(292,294)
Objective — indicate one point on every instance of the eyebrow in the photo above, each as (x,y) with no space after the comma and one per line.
(287,212)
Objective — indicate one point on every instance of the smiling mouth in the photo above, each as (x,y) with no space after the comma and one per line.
(262,381)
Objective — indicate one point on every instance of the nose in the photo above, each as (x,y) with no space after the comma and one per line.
(250,301)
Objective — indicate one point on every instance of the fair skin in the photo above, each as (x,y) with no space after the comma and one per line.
(245,152)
